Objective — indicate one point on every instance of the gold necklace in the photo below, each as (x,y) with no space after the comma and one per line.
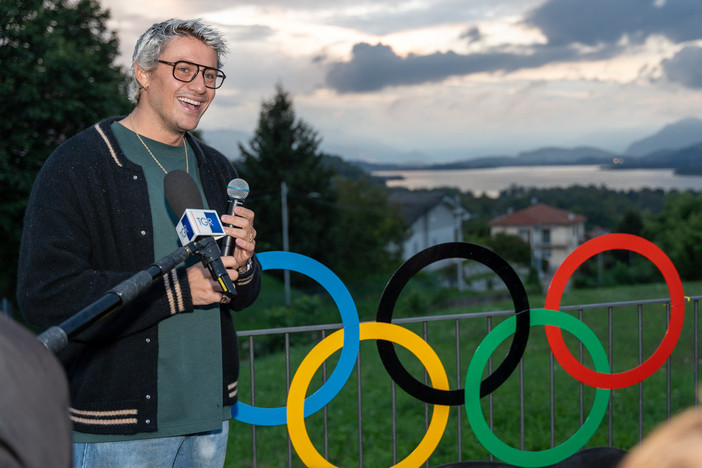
(187,166)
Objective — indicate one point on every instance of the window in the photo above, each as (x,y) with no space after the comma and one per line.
(524,234)
(546,236)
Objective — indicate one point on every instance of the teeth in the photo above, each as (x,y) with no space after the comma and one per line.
(189,101)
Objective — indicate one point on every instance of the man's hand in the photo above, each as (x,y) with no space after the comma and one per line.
(243,233)
(203,289)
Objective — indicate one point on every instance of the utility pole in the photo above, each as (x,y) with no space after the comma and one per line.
(286,247)
(459,238)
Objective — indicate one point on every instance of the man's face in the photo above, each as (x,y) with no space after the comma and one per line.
(176,106)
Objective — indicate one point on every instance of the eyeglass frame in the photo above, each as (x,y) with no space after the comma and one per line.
(199,67)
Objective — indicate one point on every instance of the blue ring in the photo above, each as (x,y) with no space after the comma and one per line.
(352,338)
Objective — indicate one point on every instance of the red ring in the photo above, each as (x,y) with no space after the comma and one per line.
(677,311)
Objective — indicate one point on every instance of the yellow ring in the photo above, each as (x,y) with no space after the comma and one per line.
(368,331)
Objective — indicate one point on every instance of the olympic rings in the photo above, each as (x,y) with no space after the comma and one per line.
(398,281)
(348,340)
(347,359)
(677,311)
(474,411)
(368,331)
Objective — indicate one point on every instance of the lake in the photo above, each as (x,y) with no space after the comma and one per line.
(491,181)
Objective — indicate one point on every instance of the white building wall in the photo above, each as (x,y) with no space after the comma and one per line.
(563,240)
(435,227)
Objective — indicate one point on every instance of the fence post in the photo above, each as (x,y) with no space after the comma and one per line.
(6,307)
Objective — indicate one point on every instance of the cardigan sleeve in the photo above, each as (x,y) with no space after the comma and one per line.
(247,287)
(79,241)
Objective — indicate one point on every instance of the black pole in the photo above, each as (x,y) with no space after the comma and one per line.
(56,338)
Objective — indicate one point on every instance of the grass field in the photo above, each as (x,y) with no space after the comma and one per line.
(648,402)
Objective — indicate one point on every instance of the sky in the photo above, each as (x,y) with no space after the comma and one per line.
(430,81)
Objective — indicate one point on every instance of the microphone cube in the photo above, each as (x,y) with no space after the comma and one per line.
(199,223)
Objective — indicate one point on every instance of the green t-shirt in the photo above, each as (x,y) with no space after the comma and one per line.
(190,350)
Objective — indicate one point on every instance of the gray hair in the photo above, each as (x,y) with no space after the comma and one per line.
(150,45)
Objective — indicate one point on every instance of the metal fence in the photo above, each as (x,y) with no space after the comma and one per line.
(6,307)
(631,413)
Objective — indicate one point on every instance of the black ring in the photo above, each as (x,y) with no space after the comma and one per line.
(397,282)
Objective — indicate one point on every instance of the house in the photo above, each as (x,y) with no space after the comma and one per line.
(432,217)
(552,233)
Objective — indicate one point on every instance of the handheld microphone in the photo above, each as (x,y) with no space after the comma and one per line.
(237,191)
(197,224)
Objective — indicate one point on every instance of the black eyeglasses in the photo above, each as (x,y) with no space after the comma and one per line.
(187,71)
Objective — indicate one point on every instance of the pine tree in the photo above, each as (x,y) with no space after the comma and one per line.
(286,149)
(59,78)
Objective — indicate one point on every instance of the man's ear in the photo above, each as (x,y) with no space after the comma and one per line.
(142,76)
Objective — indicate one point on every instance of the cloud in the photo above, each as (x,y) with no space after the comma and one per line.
(373,67)
(255,32)
(388,16)
(684,67)
(597,22)
(607,27)
(472,34)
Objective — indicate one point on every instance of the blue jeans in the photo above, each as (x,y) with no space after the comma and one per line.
(205,450)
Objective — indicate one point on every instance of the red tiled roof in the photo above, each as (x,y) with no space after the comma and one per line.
(539,214)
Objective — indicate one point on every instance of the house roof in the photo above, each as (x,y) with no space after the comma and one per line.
(413,204)
(539,214)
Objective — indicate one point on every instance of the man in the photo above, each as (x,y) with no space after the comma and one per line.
(152,383)
(674,443)
(35,429)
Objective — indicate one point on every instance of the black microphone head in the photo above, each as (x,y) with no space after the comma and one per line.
(182,192)
(238,189)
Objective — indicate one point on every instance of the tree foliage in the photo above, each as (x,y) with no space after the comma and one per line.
(601,206)
(369,233)
(511,248)
(59,78)
(677,230)
(285,149)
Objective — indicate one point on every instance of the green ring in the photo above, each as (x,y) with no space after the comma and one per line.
(472,391)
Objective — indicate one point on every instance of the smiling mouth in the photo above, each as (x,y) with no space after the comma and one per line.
(190,103)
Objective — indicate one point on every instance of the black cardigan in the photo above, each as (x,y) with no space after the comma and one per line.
(87,228)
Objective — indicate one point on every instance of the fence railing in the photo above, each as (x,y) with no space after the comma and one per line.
(629,331)
(6,307)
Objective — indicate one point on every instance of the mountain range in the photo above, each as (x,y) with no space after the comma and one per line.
(681,134)
(676,146)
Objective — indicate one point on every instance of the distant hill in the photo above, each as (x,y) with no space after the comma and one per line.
(678,135)
(555,155)
(686,161)
(676,146)
(539,157)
